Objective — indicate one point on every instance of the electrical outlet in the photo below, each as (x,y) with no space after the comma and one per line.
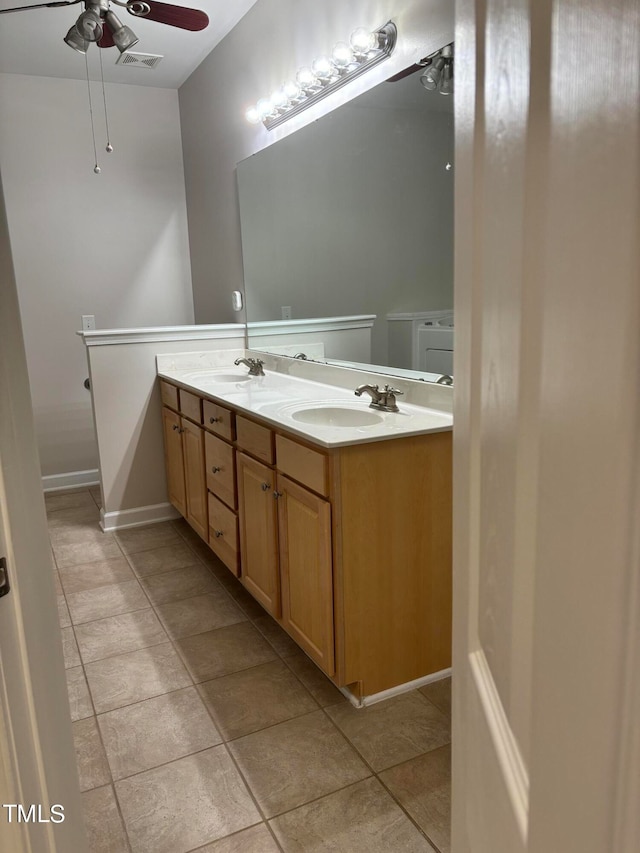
(286,312)
(88,322)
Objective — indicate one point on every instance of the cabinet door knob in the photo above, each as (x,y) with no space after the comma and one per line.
(217,533)
(277,495)
(215,469)
(215,420)
(175,426)
(265,487)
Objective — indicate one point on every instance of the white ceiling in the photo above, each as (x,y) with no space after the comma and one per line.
(31,42)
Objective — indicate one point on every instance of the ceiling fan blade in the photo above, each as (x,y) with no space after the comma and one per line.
(176,16)
(53,5)
(107,38)
(407,71)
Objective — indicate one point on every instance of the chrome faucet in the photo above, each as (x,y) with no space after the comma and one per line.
(385,400)
(254,365)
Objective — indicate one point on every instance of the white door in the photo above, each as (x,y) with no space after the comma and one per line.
(547,425)
(37,760)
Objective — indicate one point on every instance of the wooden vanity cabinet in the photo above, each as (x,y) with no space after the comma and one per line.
(348,548)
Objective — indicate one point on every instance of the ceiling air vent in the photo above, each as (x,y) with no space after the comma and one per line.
(139,60)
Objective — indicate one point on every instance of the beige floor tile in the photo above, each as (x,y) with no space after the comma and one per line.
(103,601)
(118,634)
(394,730)
(200,613)
(223,651)
(256,839)
(156,731)
(145,538)
(86,515)
(55,501)
(423,786)
(183,583)
(321,688)
(360,819)
(186,804)
(101,547)
(124,679)
(56,582)
(105,830)
(245,601)
(96,494)
(278,638)
(92,575)
(70,648)
(439,692)
(297,761)
(165,559)
(63,612)
(78,690)
(256,698)
(93,769)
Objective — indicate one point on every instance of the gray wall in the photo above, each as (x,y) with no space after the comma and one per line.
(114,245)
(269,44)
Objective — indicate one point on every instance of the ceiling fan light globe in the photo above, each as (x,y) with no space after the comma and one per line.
(76,41)
(125,38)
(89,25)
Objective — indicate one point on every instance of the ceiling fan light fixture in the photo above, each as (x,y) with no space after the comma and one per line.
(123,36)
(76,41)
(89,25)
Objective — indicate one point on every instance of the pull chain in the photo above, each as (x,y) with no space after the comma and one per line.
(109,147)
(96,168)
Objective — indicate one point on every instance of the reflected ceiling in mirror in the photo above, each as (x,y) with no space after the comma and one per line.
(353,215)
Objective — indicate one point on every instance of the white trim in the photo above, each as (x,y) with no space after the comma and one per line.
(514,771)
(71,480)
(421,315)
(365,701)
(108,337)
(312,324)
(137,516)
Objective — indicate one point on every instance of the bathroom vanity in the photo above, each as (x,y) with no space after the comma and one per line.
(336,518)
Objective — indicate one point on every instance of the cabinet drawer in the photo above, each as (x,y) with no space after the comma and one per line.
(221,475)
(303,464)
(255,439)
(190,406)
(169,394)
(218,419)
(223,533)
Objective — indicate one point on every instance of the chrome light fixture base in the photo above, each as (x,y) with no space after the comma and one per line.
(385,37)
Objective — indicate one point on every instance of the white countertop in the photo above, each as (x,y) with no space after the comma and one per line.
(290,402)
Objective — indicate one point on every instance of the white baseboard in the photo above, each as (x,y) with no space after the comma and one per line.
(71,480)
(136,517)
(394,691)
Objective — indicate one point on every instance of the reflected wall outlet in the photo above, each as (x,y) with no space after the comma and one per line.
(88,322)
(286,312)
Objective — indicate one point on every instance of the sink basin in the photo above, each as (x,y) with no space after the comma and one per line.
(334,416)
(212,377)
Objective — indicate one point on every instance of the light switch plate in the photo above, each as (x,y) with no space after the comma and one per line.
(88,322)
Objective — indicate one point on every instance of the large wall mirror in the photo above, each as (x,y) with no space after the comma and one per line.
(353,215)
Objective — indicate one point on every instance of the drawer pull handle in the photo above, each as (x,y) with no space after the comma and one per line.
(215,469)
(265,487)
(215,420)
(217,533)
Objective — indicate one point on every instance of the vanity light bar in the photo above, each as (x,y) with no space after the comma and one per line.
(326,75)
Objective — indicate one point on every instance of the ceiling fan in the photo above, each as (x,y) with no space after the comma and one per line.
(99,24)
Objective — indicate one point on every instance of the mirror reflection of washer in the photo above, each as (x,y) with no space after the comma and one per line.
(435,345)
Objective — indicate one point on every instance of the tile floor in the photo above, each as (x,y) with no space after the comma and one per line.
(200,726)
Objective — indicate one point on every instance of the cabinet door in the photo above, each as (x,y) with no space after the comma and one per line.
(194,477)
(258,532)
(173,459)
(304,523)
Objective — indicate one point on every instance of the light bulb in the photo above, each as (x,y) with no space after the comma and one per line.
(292,91)
(307,80)
(363,41)
(279,99)
(431,77)
(253,116)
(323,68)
(264,108)
(446,82)
(342,56)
